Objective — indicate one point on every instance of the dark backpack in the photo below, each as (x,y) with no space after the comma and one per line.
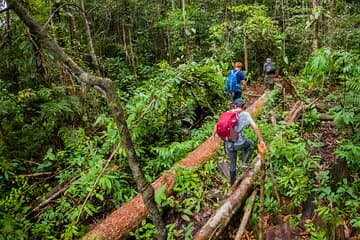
(232,85)
(225,126)
(269,68)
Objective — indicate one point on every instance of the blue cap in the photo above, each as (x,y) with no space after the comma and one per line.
(238,102)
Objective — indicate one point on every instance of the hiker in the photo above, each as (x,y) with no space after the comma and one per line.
(235,81)
(233,145)
(269,73)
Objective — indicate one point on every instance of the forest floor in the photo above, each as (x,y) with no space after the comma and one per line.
(275,227)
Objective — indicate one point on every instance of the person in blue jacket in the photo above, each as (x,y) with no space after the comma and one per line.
(235,82)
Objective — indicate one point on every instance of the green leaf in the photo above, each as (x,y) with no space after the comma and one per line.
(186,217)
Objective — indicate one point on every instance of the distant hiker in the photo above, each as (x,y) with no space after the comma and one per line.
(235,81)
(230,128)
(269,74)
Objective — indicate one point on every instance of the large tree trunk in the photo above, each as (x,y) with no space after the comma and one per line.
(216,224)
(115,105)
(125,219)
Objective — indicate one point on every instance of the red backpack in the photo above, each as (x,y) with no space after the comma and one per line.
(225,126)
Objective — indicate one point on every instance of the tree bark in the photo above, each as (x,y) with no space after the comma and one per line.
(118,113)
(332,23)
(315,27)
(283,25)
(125,219)
(295,112)
(245,52)
(325,117)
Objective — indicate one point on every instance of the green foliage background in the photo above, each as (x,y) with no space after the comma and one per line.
(168,64)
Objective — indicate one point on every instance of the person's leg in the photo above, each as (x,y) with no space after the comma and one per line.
(233,157)
(266,81)
(248,148)
(271,82)
(236,95)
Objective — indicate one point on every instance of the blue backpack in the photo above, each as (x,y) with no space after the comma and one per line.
(232,85)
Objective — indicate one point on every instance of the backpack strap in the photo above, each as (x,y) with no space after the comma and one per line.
(238,113)
(235,71)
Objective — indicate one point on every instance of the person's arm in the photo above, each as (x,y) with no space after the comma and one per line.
(242,79)
(258,134)
(244,84)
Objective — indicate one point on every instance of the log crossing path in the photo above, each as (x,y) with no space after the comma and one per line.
(126,218)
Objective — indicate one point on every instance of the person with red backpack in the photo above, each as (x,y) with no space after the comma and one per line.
(230,128)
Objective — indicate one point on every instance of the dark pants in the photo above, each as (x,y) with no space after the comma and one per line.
(236,95)
(269,81)
(232,149)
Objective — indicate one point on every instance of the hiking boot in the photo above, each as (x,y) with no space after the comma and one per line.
(232,177)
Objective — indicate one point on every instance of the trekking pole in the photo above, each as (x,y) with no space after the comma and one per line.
(261,150)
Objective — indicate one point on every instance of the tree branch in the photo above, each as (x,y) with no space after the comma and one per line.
(104,83)
(246,216)
(98,179)
(58,9)
(53,194)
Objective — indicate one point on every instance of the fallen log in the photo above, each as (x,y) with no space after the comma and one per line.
(325,117)
(125,219)
(299,107)
(216,224)
(295,112)
(219,220)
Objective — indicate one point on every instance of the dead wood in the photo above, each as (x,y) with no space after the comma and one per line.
(246,216)
(53,194)
(299,107)
(37,174)
(216,224)
(325,117)
(272,118)
(295,112)
(125,219)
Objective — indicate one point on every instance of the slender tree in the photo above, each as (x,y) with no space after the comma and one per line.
(315,26)
(245,52)
(89,39)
